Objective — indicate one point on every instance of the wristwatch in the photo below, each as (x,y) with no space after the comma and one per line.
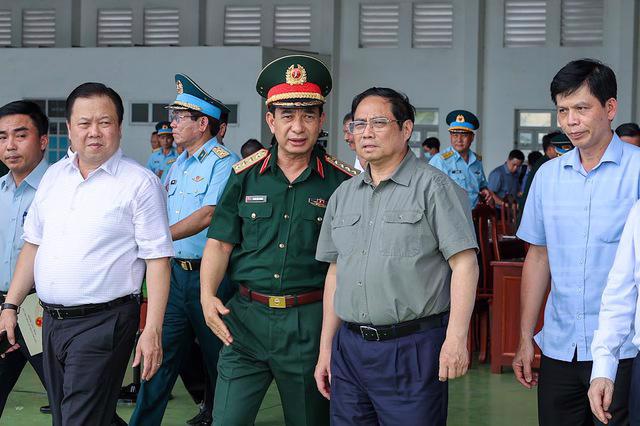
(10,306)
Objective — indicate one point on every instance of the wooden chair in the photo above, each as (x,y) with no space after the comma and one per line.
(508,216)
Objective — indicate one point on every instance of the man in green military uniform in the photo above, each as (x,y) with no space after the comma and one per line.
(264,234)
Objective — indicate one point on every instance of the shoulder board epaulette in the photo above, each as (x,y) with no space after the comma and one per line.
(342,166)
(220,151)
(251,160)
(171,160)
(447,155)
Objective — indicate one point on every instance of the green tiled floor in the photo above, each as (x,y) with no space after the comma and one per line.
(480,398)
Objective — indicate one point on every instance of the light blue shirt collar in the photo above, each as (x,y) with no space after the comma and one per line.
(612,154)
(33,179)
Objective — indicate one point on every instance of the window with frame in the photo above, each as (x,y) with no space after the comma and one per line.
(58,135)
(531,126)
(424,126)
(150,113)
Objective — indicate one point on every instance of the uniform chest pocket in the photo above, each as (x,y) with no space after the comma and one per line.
(458,178)
(401,233)
(344,232)
(255,223)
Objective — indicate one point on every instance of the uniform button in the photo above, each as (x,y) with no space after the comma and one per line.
(281,245)
(286,216)
(290,186)
(181,192)
(276,276)
(177,211)
(185,173)
(319,219)
(253,215)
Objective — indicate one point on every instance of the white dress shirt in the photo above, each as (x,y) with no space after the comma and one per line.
(620,307)
(94,234)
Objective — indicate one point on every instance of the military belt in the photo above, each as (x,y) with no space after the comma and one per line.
(387,332)
(64,312)
(281,302)
(188,264)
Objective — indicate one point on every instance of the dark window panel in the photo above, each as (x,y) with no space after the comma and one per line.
(139,113)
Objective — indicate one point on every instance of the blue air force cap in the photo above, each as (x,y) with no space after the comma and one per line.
(193,97)
(461,120)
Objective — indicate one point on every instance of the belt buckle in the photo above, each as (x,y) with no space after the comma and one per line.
(364,328)
(186,265)
(277,302)
(58,314)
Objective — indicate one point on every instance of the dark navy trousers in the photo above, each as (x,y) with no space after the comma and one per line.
(393,382)
(634,393)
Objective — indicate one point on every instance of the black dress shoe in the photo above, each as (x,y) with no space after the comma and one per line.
(45,409)
(203,418)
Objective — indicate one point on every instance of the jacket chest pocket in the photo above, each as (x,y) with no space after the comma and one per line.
(344,230)
(255,223)
(401,233)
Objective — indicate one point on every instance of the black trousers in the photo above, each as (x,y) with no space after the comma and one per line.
(85,360)
(562,393)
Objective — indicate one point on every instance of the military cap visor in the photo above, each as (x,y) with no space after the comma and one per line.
(190,96)
(164,128)
(294,81)
(461,120)
(561,143)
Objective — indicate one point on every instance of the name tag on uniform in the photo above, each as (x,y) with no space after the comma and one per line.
(318,202)
(456,171)
(253,199)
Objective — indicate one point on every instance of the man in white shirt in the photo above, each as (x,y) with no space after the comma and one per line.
(96,223)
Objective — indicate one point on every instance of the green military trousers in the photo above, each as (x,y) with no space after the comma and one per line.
(270,343)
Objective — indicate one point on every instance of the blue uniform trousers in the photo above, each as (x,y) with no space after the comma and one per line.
(183,320)
(392,382)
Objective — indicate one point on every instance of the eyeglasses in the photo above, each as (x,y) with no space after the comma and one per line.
(377,124)
(175,116)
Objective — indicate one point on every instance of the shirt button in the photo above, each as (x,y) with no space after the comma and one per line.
(281,245)
(286,216)
(276,276)
(253,215)
(181,192)
(579,316)
(177,211)
(319,219)
(370,223)
(363,315)
(360,283)
(573,344)
(581,261)
(364,252)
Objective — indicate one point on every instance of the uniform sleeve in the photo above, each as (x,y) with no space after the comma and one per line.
(482,179)
(495,181)
(226,223)
(326,250)
(437,162)
(150,163)
(531,227)
(619,303)
(449,215)
(150,222)
(219,177)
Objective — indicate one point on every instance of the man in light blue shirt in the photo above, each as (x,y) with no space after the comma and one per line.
(459,162)
(161,160)
(23,140)
(194,184)
(573,219)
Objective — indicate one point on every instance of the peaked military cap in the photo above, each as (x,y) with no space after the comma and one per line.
(163,128)
(461,120)
(294,81)
(561,143)
(193,97)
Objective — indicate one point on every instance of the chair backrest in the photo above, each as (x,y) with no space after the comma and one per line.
(508,216)
(484,220)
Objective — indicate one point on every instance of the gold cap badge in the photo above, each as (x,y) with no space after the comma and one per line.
(460,118)
(179,88)
(296,75)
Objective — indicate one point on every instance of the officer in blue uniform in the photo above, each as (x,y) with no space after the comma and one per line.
(194,185)
(160,161)
(459,162)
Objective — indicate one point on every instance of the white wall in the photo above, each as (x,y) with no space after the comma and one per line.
(140,74)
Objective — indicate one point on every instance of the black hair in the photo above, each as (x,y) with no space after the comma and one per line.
(89,90)
(347,117)
(517,154)
(155,132)
(546,139)
(251,146)
(628,129)
(40,121)
(533,157)
(224,118)
(401,108)
(431,143)
(599,78)
(214,124)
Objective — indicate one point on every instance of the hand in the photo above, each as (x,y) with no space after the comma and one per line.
(454,358)
(600,396)
(8,322)
(487,195)
(522,362)
(322,373)
(212,309)
(150,348)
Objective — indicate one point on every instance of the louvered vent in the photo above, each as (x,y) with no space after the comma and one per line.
(432,25)
(5,28)
(525,23)
(39,28)
(161,27)
(242,25)
(582,22)
(292,26)
(115,27)
(379,25)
